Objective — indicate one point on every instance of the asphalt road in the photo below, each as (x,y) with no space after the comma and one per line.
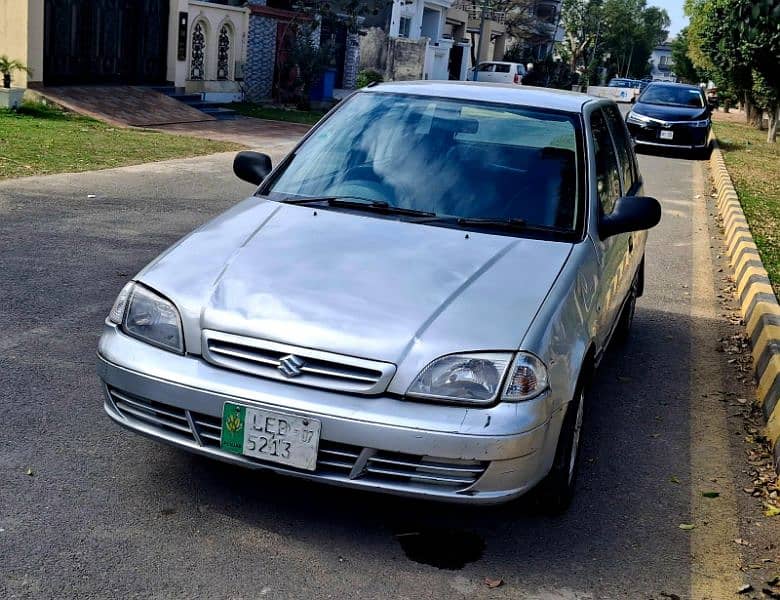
(91,511)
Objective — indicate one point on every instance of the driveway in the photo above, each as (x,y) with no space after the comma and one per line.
(89,510)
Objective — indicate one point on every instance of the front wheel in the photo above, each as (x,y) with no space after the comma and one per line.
(556,491)
(626,319)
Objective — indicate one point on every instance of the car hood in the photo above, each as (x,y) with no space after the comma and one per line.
(670,113)
(353,284)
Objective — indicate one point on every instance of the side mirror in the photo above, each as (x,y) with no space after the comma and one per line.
(631,213)
(252,166)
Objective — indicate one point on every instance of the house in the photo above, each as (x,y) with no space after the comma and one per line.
(661,65)
(219,48)
(430,39)
(196,45)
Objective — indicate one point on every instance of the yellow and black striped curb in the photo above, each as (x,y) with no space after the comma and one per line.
(760,310)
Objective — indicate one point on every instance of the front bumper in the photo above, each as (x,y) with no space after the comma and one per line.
(683,136)
(387,444)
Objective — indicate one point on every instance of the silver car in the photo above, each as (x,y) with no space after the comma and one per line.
(413,301)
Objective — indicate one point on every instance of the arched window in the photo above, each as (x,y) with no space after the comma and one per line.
(198,60)
(223,52)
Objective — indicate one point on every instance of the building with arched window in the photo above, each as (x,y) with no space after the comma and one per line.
(195,45)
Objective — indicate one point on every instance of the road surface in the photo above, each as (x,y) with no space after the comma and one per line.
(90,510)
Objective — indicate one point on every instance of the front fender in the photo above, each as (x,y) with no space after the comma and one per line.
(564,328)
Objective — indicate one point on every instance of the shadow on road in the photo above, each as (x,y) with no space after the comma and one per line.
(637,443)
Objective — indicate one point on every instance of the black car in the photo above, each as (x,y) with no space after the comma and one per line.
(672,115)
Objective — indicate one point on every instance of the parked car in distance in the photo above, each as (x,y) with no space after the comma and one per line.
(499,72)
(414,301)
(672,115)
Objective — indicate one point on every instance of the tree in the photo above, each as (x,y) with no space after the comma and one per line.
(740,40)
(581,21)
(633,30)
(619,34)
(683,65)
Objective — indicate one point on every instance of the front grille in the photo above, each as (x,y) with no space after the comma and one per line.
(293,364)
(684,135)
(334,460)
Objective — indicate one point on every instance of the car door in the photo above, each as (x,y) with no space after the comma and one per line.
(631,185)
(503,73)
(612,252)
(485,72)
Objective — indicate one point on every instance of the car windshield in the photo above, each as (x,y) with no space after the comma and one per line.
(452,158)
(672,96)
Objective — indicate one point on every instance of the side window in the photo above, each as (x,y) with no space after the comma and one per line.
(486,67)
(623,144)
(607,173)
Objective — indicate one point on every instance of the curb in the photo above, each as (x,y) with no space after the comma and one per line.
(758,303)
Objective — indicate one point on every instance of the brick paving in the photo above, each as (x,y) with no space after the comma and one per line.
(124,105)
(254,133)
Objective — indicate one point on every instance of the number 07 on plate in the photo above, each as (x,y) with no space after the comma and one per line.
(270,436)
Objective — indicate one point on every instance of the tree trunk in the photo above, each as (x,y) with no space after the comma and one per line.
(754,115)
(774,116)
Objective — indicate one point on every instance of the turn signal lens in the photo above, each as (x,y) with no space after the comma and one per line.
(118,310)
(527,378)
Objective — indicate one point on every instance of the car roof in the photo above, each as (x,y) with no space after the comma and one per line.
(504,93)
(672,84)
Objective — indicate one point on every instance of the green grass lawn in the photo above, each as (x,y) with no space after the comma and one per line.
(275,113)
(754,166)
(40,140)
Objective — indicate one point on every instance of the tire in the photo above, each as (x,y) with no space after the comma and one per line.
(623,328)
(554,494)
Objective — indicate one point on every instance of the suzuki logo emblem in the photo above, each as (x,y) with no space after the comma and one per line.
(290,366)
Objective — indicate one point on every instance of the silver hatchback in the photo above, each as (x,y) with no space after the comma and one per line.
(413,301)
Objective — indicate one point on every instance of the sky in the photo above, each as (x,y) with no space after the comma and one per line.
(675,10)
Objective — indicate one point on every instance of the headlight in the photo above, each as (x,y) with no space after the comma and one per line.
(476,378)
(704,123)
(148,316)
(636,118)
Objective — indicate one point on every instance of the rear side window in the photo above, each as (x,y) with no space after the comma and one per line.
(619,134)
(502,68)
(520,69)
(607,171)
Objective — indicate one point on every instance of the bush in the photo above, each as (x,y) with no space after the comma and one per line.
(367,77)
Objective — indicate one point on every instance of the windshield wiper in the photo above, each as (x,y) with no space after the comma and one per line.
(357,203)
(510,224)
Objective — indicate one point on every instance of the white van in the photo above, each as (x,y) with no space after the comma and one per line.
(499,72)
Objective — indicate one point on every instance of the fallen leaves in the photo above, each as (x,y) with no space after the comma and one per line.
(710,494)
(493,583)
(770,510)
(745,589)
(30,472)
(686,526)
